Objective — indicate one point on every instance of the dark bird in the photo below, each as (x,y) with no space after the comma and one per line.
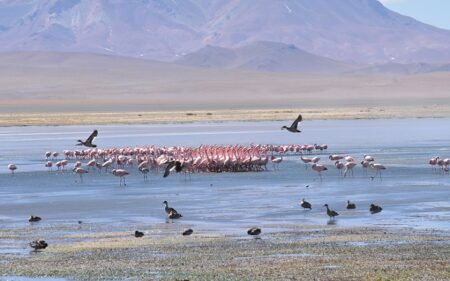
(331,213)
(173,165)
(174,215)
(38,244)
(350,205)
(34,218)
(88,141)
(293,127)
(171,212)
(138,234)
(188,232)
(305,204)
(168,209)
(375,209)
(254,231)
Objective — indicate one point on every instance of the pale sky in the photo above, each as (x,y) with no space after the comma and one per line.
(434,12)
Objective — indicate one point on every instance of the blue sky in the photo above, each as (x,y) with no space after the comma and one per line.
(434,12)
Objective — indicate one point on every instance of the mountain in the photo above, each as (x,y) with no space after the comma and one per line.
(362,31)
(264,56)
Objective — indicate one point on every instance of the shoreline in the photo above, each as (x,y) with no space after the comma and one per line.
(220,115)
(323,252)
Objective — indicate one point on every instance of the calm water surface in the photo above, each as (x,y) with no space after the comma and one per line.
(410,193)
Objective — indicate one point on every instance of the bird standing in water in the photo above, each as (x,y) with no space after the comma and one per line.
(254,231)
(171,212)
(375,209)
(331,213)
(34,218)
(305,204)
(38,244)
(88,141)
(350,206)
(293,127)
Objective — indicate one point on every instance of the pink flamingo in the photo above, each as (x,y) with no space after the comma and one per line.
(319,169)
(80,171)
(64,163)
(339,165)
(349,168)
(365,165)
(120,173)
(144,170)
(335,157)
(368,158)
(306,160)
(49,165)
(377,167)
(433,161)
(92,163)
(12,168)
(315,159)
(276,161)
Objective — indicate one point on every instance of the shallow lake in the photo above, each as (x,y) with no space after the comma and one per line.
(410,192)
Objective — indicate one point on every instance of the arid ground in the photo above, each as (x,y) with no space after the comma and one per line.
(61,89)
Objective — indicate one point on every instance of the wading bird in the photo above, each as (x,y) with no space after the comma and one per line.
(38,244)
(350,206)
(254,231)
(319,168)
(122,174)
(34,218)
(171,212)
(188,232)
(375,209)
(305,204)
(331,213)
(12,168)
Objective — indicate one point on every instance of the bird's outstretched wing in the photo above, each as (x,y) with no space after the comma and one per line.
(295,124)
(169,168)
(92,136)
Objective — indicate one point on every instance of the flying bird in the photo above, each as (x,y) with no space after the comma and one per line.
(173,165)
(293,127)
(88,141)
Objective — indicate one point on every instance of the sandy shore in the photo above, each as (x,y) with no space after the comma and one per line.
(154,117)
(303,253)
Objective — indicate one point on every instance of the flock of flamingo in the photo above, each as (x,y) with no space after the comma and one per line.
(207,159)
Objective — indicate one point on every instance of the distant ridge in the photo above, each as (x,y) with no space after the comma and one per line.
(264,56)
(398,68)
